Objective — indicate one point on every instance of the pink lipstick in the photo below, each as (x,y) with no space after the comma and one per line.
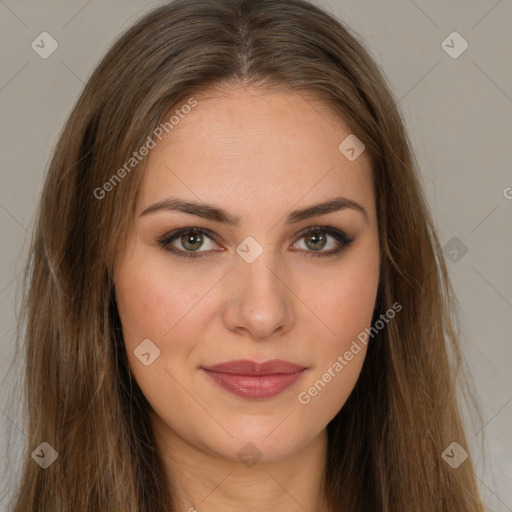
(250,379)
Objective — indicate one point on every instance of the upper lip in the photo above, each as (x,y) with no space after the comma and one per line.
(247,367)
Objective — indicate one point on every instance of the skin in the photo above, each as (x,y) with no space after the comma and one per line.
(258,155)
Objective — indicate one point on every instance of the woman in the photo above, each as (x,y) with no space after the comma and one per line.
(236,295)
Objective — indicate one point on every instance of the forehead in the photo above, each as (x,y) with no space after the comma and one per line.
(248,146)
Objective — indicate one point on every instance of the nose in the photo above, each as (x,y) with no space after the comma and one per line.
(260,301)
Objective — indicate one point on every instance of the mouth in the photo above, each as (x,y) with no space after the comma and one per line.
(253,380)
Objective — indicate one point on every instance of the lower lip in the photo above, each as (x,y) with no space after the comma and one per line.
(254,387)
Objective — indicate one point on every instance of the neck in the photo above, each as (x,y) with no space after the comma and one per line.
(202,480)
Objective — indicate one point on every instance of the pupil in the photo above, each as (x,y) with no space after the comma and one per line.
(189,240)
(316,238)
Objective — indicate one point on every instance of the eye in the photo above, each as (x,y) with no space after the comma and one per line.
(316,239)
(192,239)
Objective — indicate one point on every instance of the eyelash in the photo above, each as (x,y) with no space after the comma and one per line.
(338,235)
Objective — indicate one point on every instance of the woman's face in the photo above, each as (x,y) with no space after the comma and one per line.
(260,289)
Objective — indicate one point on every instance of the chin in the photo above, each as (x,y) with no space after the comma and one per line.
(256,439)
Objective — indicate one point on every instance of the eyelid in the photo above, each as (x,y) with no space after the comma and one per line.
(166,240)
(339,235)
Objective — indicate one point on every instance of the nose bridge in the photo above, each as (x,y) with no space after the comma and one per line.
(260,300)
(259,273)
(261,263)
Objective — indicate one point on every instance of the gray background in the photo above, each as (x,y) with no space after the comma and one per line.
(457,112)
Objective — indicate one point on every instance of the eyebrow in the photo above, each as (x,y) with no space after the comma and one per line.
(215,214)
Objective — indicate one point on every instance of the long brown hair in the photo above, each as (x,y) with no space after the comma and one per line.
(386,443)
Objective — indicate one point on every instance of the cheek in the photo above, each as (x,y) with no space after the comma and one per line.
(340,354)
(346,309)
(345,301)
(153,302)
(153,306)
